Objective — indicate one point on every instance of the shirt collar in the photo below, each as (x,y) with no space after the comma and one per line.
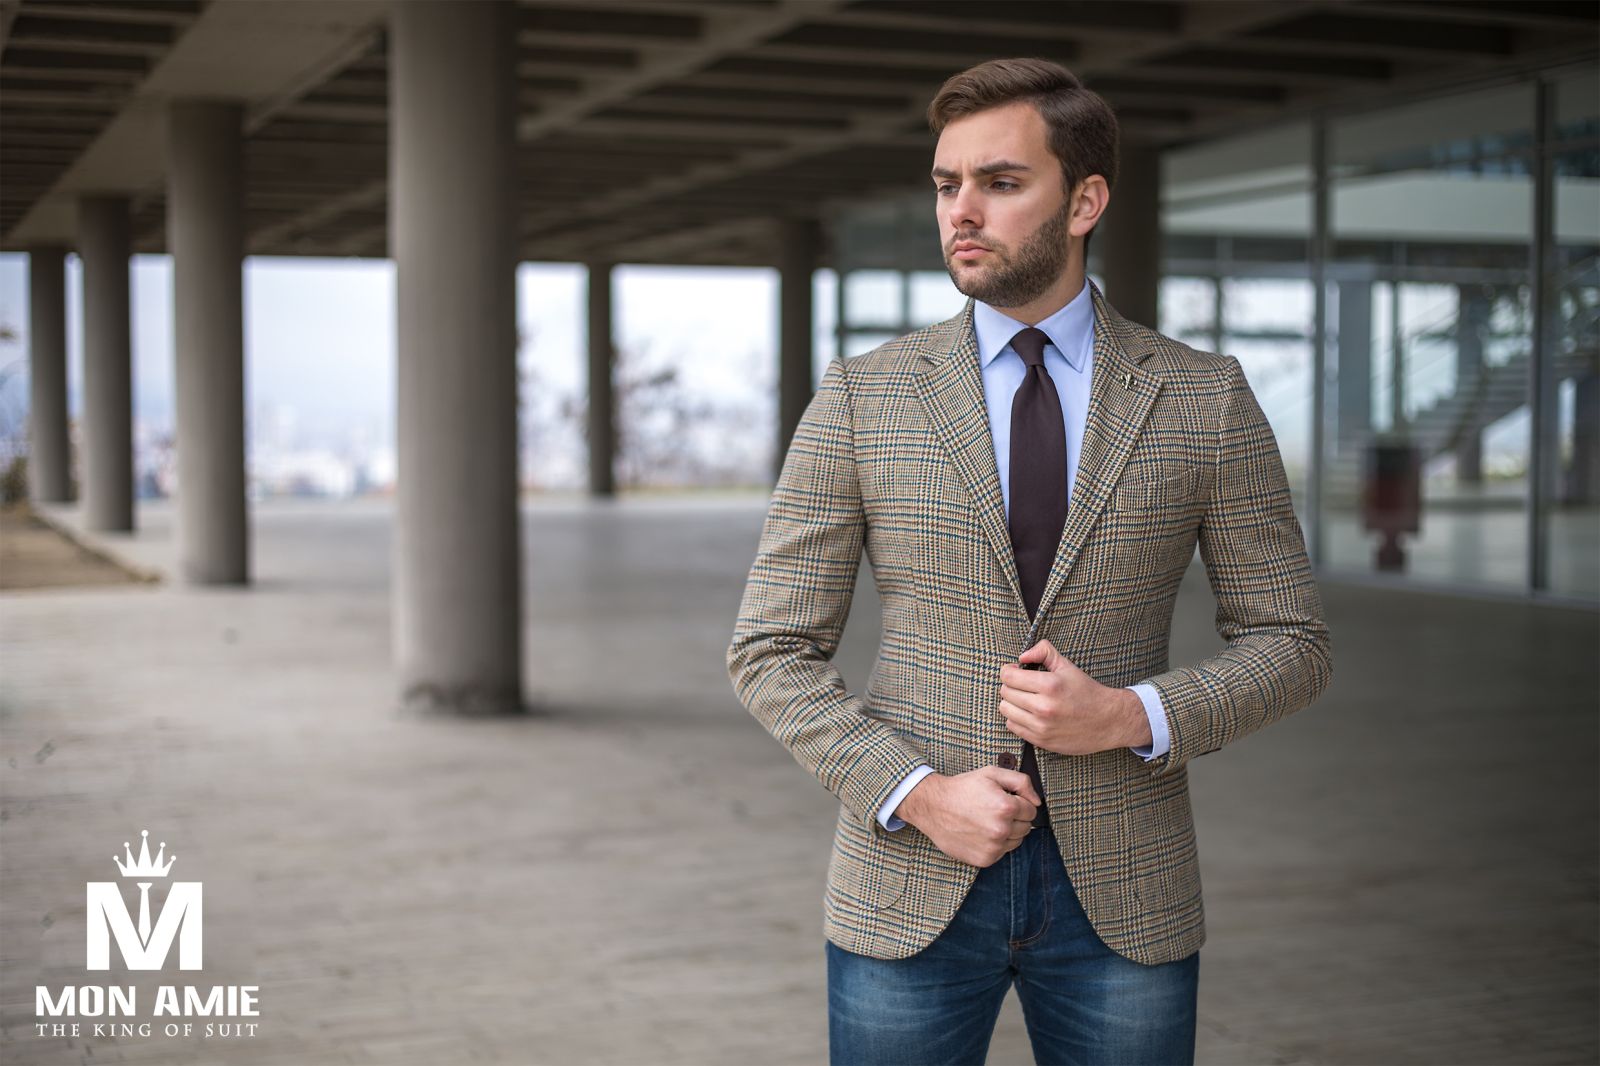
(1071,329)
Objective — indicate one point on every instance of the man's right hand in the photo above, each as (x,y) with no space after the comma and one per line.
(975,817)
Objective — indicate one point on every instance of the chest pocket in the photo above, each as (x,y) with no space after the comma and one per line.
(1156,492)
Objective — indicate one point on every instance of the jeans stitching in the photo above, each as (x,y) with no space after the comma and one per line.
(1044,929)
(1044,876)
(1011,893)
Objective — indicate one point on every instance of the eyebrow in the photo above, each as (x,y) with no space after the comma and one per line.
(997,167)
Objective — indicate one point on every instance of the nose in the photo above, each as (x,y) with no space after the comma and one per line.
(962,210)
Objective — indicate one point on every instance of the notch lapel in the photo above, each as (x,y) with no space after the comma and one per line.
(951,389)
(1121,394)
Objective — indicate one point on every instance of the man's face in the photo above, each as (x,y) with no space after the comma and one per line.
(1004,214)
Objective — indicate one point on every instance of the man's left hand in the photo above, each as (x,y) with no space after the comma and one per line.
(1062,709)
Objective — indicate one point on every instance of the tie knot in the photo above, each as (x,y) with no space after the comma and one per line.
(1029,344)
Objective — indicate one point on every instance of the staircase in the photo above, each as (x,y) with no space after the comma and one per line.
(1478,403)
(1481,399)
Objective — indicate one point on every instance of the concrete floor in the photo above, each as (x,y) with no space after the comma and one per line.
(1405,873)
(1479,548)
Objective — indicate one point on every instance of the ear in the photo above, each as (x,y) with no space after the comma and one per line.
(1089,201)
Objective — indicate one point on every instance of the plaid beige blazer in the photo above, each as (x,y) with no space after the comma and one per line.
(894,456)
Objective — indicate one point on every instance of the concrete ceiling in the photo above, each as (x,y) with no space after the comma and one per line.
(678,130)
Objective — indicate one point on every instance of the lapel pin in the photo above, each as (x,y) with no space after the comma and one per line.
(1127,380)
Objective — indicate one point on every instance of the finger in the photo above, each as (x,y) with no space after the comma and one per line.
(1030,700)
(1021,785)
(1022,680)
(1015,782)
(1025,809)
(1044,653)
(1025,724)
(1021,715)
(1019,830)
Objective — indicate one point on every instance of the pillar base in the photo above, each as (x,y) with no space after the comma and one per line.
(426,698)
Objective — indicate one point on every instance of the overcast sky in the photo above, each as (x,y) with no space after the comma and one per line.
(320,333)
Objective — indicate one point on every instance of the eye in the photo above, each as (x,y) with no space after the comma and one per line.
(944,188)
(1003,184)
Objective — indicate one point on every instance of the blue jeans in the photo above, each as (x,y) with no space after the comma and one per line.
(1022,922)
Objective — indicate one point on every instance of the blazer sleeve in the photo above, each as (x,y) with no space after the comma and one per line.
(795,605)
(1278,657)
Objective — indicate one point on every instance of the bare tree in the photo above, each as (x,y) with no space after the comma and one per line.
(670,437)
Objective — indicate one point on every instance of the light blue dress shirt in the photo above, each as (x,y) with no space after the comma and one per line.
(1069,358)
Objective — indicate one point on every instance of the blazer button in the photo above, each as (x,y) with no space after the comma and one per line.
(1007,760)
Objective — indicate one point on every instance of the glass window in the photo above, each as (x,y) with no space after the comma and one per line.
(1188,310)
(1236,222)
(934,298)
(873,298)
(1426,450)
(1268,325)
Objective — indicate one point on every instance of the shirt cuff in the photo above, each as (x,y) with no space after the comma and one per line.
(1160,738)
(886,816)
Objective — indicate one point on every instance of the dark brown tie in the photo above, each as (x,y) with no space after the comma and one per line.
(1038,492)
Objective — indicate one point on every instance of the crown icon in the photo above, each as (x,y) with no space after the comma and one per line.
(144,867)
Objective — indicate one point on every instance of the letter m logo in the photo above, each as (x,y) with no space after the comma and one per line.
(146,948)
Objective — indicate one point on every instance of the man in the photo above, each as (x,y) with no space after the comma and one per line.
(1030,480)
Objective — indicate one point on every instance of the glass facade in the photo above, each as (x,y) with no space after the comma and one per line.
(1449,433)
(1426,470)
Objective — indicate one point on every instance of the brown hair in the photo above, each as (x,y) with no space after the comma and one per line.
(1082,127)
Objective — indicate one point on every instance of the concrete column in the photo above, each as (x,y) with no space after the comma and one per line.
(1129,235)
(801,239)
(602,402)
(1583,476)
(1219,315)
(1472,318)
(49,457)
(457,573)
(1397,363)
(105,245)
(841,325)
(205,233)
(1355,365)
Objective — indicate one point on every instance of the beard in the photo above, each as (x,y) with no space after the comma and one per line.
(1016,278)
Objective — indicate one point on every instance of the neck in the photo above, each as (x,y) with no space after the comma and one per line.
(1053,299)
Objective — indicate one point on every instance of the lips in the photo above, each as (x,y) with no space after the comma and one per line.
(965,252)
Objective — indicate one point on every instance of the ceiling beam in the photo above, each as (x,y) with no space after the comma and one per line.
(1219,63)
(48,42)
(729,30)
(1535,14)
(1406,82)
(729,33)
(257,51)
(149,12)
(1346,32)
(1087,21)
(1208,22)
(670,116)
